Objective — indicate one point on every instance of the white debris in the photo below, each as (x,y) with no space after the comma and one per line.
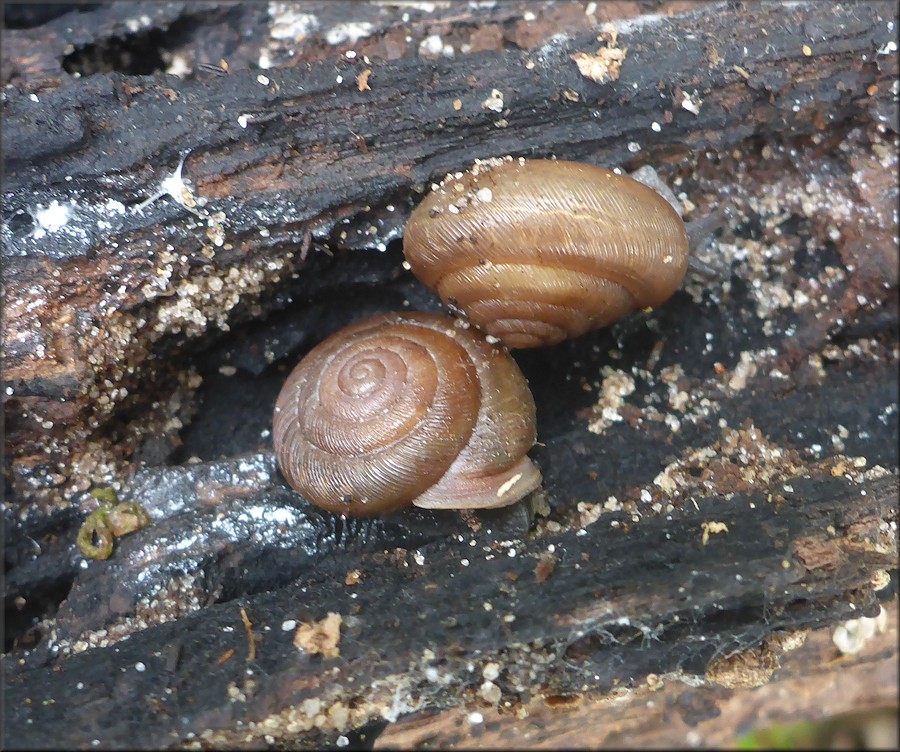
(352,32)
(852,636)
(51,218)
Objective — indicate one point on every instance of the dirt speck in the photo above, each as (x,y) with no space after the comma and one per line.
(320,637)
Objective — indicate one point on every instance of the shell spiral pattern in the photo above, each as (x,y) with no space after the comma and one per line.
(406,408)
(534,251)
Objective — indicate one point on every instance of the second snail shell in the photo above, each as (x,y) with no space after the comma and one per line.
(534,251)
(406,408)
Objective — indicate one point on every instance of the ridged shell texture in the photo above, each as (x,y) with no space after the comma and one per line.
(406,408)
(534,251)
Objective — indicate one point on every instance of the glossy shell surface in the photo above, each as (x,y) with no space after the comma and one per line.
(534,251)
(406,409)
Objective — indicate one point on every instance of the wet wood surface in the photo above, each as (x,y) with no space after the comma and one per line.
(719,474)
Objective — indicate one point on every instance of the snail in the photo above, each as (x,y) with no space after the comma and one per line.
(534,251)
(406,409)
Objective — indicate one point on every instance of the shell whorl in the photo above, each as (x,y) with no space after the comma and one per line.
(535,251)
(406,408)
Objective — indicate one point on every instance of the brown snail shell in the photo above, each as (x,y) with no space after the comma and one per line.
(534,251)
(406,408)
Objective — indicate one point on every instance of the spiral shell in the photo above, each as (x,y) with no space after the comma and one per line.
(406,408)
(534,251)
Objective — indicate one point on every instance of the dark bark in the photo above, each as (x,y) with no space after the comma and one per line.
(93,304)
(663,713)
(143,351)
(605,616)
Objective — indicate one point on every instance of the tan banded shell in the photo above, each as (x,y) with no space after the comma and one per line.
(534,251)
(406,409)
